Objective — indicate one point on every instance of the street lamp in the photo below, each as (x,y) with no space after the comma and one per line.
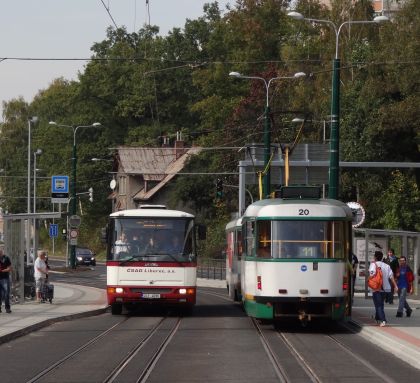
(73,188)
(37,153)
(267,127)
(335,97)
(31,120)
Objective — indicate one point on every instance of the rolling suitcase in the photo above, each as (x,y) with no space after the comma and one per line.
(48,292)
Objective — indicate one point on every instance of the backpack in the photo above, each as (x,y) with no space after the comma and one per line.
(375,281)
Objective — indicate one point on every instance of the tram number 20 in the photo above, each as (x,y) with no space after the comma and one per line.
(303,212)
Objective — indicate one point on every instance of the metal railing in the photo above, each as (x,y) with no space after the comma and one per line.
(211,268)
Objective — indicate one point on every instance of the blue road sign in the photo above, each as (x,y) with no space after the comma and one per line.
(60,184)
(59,189)
(53,230)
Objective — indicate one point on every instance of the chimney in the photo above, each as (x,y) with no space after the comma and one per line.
(179,145)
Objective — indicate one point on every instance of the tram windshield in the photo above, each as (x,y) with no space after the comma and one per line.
(151,239)
(302,239)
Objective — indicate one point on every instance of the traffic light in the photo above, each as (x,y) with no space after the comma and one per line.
(219,188)
(64,234)
(91,194)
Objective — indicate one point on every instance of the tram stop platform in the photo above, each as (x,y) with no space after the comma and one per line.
(70,302)
(400,337)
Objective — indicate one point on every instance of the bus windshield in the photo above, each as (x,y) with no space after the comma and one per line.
(151,239)
(302,239)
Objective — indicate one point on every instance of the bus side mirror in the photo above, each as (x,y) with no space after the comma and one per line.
(104,234)
(202,232)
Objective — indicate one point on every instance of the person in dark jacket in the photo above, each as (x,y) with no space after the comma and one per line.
(405,277)
(5,269)
(392,261)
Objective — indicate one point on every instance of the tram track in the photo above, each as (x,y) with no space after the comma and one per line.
(310,363)
(60,362)
(349,351)
(148,359)
(281,371)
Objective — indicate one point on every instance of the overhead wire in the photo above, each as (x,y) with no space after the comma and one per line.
(109,13)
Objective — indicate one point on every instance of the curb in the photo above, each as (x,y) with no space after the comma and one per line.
(405,353)
(37,326)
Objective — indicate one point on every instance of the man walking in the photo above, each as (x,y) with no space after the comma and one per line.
(5,269)
(379,294)
(405,279)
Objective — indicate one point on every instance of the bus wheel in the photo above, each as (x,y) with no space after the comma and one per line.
(116,309)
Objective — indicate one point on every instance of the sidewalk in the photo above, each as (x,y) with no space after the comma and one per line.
(401,336)
(70,301)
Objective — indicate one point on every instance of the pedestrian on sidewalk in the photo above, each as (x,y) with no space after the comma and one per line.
(5,269)
(354,264)
(40,274)
(378,296)
(392,261)
(405,278)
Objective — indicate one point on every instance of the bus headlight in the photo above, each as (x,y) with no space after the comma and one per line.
(119,290)
(182,291)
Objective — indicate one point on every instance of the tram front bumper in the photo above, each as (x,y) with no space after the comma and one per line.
(323,307)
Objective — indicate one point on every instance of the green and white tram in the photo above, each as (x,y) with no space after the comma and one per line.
(294,257)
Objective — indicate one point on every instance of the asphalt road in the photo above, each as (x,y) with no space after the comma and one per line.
(218,343)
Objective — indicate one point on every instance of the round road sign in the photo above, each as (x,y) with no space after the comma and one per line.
(74,233)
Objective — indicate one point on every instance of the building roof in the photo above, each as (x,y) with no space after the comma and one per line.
(153,164)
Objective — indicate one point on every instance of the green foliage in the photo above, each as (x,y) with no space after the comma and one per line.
(141,86)
(401,202)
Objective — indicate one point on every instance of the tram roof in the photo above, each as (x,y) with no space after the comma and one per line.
(157,213)
(234,223)
(278,207)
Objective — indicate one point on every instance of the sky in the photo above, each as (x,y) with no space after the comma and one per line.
(68,29)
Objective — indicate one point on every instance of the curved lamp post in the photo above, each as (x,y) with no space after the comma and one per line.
(267,127)
(37,153)
(335,97)
(31,120)
(74,177)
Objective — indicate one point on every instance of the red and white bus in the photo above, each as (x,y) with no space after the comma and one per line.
(151,258)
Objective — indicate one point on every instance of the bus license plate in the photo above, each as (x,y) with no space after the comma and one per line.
(151,296)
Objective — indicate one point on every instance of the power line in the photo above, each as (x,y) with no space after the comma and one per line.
(109,13)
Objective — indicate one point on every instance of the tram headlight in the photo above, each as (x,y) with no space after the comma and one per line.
(119,290)
(182,291)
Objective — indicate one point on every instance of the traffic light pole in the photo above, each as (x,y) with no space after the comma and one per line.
(335,132)
(73,202)
(267,149)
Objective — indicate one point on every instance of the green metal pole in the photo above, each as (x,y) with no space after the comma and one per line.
(335,132)
(267,148)
(73,201)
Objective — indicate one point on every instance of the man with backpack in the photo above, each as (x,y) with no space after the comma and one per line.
(379,292)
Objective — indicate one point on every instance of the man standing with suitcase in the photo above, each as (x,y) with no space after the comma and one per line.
(40,274)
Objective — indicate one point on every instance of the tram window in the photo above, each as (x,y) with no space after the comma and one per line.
(299,239)
(249,240)
(264,239)
(239,244)
(340,242)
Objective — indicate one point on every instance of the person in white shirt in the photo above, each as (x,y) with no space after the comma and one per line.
(121,245)
(378,296)
(40,274)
